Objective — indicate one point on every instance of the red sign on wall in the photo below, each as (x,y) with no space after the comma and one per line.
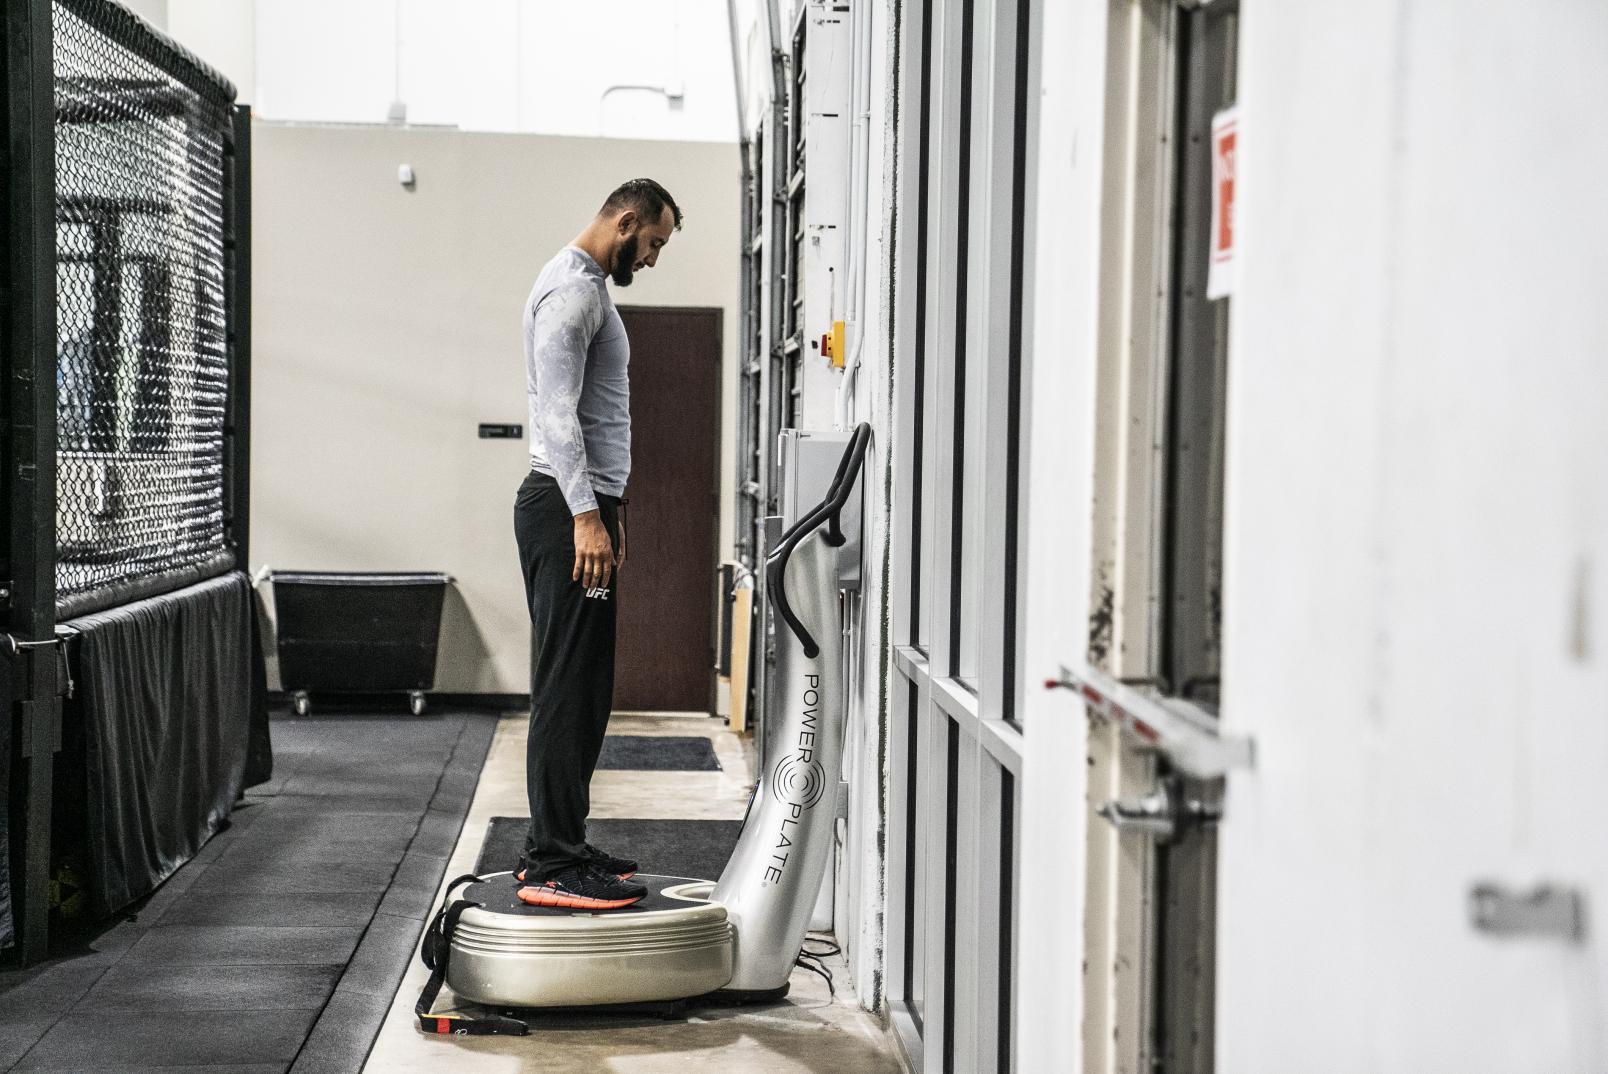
(1225,153)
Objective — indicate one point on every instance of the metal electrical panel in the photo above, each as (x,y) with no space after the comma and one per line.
(809,461)
(817,208)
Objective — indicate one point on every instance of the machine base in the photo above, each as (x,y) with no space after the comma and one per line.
(743,997)
(672,945)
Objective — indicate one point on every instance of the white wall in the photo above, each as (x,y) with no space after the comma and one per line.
(221,32)
(484,65)
(386,326)
(154,12)
(862,887)
(1417,557)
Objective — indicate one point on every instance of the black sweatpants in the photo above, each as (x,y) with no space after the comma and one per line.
(572,674)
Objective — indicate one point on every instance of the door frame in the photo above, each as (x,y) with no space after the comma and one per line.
(1139,944)
(1136,241)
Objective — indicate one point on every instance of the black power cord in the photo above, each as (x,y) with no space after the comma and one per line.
(811,959)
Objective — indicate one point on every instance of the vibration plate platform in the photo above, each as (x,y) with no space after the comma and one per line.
(671,945)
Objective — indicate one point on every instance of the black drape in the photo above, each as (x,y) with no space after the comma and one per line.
(163,690)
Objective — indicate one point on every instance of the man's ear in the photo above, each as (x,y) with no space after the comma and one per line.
(626,222)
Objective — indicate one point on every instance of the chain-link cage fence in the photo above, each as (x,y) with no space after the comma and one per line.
(142,359)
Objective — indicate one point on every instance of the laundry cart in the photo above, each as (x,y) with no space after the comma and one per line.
(357,633)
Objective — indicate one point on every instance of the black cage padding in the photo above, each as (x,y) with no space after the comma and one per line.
(163,699)
(8,921)
(259,745)
(142,132)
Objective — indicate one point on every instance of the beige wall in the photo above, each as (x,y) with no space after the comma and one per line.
(386,327)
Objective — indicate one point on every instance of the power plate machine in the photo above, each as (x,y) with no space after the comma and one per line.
(731,939)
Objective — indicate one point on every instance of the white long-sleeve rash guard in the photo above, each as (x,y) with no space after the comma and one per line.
(577,361)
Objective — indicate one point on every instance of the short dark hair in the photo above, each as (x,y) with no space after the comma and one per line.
(647,198)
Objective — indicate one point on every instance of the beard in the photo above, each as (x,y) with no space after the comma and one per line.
(625,262)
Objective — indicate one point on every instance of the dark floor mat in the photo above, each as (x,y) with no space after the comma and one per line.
(695,848)
(659,753)
(283,940)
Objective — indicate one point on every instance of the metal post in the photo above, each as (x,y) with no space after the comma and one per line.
(746,313)
(237,304)
(746,319)
(28,307)
(773,386)
(777,240)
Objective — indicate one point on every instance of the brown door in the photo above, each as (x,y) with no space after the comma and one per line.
(667,592)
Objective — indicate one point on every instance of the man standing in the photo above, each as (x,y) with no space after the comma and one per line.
(572,539)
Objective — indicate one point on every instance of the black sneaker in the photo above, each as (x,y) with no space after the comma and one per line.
(624,868)
(583,887)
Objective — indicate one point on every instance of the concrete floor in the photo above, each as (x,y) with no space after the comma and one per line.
(807,1033)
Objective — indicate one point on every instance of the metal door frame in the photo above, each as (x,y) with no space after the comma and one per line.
(29,353)
(1150,918)
(955,740)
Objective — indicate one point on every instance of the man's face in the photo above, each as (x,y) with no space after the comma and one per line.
(637,244)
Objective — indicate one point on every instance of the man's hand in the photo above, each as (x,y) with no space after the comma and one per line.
(594,553)
(619,548)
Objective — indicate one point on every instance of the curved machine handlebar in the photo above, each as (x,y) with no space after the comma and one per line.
(829,511)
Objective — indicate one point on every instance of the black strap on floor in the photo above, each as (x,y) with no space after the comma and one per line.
(436,951)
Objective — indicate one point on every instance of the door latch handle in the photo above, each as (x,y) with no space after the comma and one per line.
(1166,813)
(1151,815)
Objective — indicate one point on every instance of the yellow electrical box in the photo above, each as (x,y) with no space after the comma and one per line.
(835,352)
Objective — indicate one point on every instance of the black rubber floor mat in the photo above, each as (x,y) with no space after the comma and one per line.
(693,848)
(262,952)
(659,753)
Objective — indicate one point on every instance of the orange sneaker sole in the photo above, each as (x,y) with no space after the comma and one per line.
(546,896)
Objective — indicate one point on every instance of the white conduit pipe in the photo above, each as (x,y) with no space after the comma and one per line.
(738,87)
(859,199)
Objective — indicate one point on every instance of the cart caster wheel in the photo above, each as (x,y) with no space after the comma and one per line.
(416,701)
(301,703)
